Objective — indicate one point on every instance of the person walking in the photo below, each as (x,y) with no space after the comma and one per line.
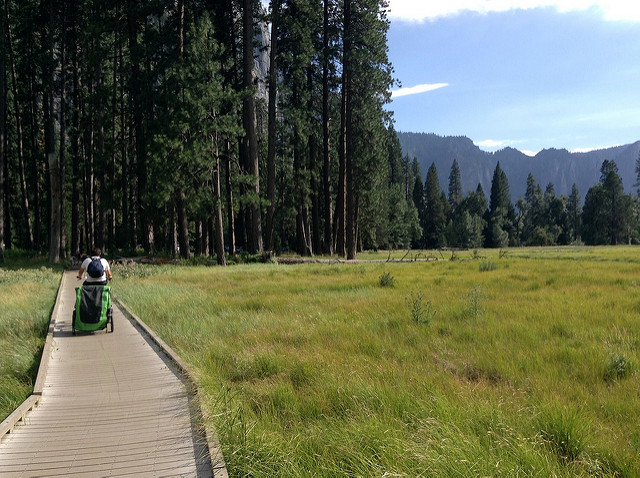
(97,269)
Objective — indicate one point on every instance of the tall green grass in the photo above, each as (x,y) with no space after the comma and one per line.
(27,296)
(528,368)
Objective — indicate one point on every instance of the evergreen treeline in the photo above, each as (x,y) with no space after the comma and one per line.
(609,216)
(142,124)
(129,124)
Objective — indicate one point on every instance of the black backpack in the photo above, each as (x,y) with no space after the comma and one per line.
(95,268)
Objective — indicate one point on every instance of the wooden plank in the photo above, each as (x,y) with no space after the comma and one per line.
(18,415)
(213,445)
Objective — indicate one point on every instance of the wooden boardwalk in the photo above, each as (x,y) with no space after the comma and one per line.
(112,404)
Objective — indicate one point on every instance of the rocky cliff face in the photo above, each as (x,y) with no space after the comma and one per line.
(557,166)
(261,59)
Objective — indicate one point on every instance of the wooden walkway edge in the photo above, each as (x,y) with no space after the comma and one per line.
(116,404)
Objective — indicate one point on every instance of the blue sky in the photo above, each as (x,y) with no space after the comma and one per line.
(530,74)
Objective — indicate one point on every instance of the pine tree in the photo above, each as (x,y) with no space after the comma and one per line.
(188,141)
(328,39)
(28,237)
(574,213)
(365,91)
(455,185)
(612,184)
(418,202)
(637,171)
(435,216)
(594,217)
(272,124)
(53,157)
(500,210)
(466,227)
(533,210)
(608,215)
(249,150)
(556,219)
(299,28)
(3,115)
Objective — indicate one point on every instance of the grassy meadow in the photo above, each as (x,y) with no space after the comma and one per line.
(522,362)
(27,293)
(497,363)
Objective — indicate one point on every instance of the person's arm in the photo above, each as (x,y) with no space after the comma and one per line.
(80,273)
(107,268)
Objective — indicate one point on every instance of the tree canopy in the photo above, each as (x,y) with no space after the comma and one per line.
(187,128)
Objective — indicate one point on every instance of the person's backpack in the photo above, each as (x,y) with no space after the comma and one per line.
(95,268)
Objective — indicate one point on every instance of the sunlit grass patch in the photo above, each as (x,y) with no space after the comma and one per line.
(454,371)
(26,301)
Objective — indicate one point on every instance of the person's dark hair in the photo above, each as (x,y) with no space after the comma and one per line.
(97,252)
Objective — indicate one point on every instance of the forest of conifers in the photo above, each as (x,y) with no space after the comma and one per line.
(147,124)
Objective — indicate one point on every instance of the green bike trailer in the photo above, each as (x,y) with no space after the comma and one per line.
(93,309)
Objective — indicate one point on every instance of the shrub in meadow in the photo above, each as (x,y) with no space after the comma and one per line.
(564,432)
(486,266)
(421,312)
(475,306)
(387,280)
(617,368)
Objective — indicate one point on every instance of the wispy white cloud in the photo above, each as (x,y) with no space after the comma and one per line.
(529,152)
(491,143)
(495,145)
(421,10)
(414,90)
(588,150)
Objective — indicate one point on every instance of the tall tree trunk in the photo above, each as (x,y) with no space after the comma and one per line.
(341,200)
(19,140)
(350,221)
(326,135)
(183,225)
(74,137)
(89,180)
(126,233)
(63,134)
(271,154)
(303,239)
(8,236)
(250,139)
(230,213)
(181,27)
(100,162)
(173,231)
(35,155)
(8,239)
(3,115)
(53,159)
(55,230)
(211,231)
(138,124)
(200,237)
(316,234)
(219,227)
(112,226)
(181,202)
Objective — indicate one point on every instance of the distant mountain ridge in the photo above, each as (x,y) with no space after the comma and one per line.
(557,166)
